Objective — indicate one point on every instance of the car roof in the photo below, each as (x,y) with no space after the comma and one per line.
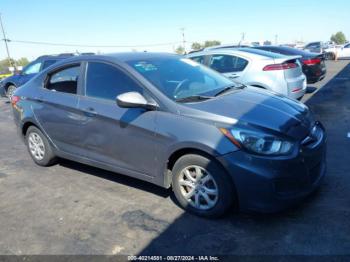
(244,52)
(122,57)
(287,49)
(55,57)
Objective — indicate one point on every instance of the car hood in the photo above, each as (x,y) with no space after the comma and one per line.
(257,108)
(10,79)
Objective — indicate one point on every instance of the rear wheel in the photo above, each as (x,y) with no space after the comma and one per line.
(330,56)
(39,147)
(202,186)
(10,90)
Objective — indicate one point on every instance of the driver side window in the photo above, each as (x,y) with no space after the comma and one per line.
(107,82)
(32,69)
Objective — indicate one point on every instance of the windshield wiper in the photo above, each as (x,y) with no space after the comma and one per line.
(229,88)
(193,98)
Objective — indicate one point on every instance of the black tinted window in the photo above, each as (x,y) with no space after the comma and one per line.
(107,82)
(198,59)
(65,80)
(47,63)
(227,63)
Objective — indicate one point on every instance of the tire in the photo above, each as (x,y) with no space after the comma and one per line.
(330,56)
(213,177)
(39,147)
(10,90)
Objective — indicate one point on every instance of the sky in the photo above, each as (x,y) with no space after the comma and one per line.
(145,23)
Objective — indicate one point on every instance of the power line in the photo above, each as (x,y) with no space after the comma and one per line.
(91,46)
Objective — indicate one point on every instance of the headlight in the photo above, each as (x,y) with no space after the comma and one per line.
(258,143)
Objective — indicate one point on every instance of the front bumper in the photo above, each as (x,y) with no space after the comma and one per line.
(271,184)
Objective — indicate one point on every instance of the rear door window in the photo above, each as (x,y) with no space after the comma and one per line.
(64,80)
(227,63)
(107,82)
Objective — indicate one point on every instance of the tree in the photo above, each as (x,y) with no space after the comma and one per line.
(4,64)
(180,50)
(209,43)
(23,61)
(338,38)
(196,46)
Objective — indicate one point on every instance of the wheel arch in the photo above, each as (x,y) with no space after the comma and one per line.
(191,150)
(26,126)
(9,84)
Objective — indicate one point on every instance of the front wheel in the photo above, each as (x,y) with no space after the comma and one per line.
(202,186)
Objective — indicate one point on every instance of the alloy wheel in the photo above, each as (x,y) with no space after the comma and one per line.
(198,187)
(10,91)
(36,146)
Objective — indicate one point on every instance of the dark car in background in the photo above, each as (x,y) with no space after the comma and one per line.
(313,64)
(173,122)
(8,85)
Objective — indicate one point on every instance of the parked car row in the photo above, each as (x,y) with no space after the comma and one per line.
(277,68)
(331,51)
(174,122)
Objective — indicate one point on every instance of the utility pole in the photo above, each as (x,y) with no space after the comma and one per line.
(183,39)
(5,40)
(242,38)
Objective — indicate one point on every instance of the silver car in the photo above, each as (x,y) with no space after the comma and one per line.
(271,71)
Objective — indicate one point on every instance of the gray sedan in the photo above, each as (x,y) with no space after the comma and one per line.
(175,123)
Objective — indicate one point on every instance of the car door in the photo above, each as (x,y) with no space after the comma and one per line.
(57,107)
(229,65)
(109,134)
(345,52)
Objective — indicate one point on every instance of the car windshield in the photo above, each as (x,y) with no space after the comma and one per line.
(180,78)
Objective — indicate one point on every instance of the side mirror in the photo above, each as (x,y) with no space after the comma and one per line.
(134,100)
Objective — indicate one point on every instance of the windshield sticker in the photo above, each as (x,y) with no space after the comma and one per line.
(145,67)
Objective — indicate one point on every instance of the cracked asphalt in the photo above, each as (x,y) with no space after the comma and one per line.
(72,208)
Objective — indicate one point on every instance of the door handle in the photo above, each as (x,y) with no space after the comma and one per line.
(90,111)
(232,76)
(39,99)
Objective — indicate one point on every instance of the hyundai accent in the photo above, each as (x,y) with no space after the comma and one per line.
(170,121)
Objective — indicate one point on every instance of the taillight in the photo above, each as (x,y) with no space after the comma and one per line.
(14,100)
(313,61)
(283,66)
